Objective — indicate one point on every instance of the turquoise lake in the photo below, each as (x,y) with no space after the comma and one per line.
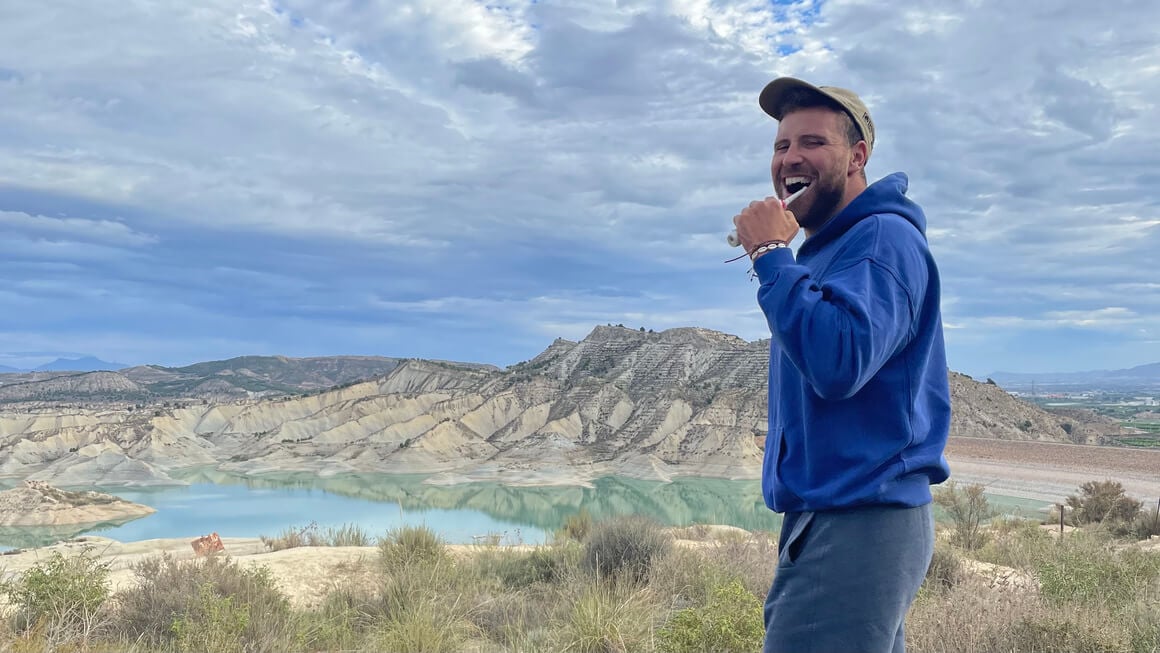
(235,506)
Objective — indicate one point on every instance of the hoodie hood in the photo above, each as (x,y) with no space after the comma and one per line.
(887,195)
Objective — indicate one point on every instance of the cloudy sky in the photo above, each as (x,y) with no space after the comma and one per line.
(187,181)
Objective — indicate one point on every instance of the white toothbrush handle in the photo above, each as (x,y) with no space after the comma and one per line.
(732,238)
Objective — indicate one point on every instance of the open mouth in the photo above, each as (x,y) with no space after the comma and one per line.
(794,184)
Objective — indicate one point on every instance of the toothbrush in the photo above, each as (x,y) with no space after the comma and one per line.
(732,237)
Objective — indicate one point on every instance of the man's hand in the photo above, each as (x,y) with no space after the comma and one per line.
(765,221)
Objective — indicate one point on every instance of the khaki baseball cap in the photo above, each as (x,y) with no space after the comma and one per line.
(773,97)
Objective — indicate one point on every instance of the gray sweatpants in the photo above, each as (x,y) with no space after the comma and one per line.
(845,579)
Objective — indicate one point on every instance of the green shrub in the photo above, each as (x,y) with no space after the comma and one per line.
(411,545)
(62,597)
(198,603)
(212,624)
(519,569)
(731,622)
(1083,568)
(968,510)
(625,547)
(1103,502)
(339,624)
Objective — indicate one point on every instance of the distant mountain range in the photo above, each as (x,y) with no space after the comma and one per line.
(619,402)
(1140,377)
(224,380)
(84,364)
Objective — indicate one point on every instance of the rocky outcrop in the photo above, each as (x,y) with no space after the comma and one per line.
(649,405)
(36,503)
(984,410)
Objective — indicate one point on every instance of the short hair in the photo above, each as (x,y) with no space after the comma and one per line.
(800,98)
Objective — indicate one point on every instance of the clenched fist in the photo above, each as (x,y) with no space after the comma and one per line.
(764,221)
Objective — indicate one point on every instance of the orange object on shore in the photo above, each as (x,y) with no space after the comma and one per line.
(208,544)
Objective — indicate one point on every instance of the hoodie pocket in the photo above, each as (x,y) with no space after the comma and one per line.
(794,543)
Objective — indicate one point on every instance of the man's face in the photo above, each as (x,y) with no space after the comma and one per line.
(811,149)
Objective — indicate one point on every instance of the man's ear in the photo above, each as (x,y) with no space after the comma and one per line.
(858,156)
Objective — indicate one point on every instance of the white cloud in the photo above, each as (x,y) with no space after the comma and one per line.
(75,229)
(397,161)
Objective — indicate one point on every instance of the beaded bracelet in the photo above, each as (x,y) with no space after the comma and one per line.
(766,247)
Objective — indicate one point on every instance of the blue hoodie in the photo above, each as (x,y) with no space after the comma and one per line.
(859,401)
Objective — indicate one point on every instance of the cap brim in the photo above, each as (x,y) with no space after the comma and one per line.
(773,95)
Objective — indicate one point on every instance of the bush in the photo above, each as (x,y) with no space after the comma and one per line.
(519,569)
(1018,544)
(606,618)
(294,537)
(202,604)
(61,598)
(688,577)
(945,570)
(429,627)
(411,545)
(625,547)
(577,527)
(1146,525)
(1083,568)
(968,509)
(213,623)
(340,623)
(1103,502)
(310,535)
(731,622)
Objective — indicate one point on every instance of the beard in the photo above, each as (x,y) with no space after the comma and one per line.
(824,196)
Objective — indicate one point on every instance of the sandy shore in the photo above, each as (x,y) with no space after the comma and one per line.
(305,574)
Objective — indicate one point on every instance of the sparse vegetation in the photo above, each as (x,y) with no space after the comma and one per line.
(624,548)
(614,585)
(1106,503)
(61,601)
(411,545)
(968,509)
(312,535)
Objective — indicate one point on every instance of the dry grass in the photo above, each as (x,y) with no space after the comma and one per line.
(1091,593)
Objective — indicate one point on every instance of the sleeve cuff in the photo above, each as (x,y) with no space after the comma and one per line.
(768,265)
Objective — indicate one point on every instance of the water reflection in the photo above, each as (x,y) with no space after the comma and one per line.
(248,506)
(682,502)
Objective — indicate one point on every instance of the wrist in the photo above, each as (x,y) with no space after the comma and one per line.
(766,247)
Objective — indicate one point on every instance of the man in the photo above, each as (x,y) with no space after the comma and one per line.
(859,405)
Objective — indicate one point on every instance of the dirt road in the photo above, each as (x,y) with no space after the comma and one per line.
(1049,471)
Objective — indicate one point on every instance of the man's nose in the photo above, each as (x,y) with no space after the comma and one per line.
(792,155)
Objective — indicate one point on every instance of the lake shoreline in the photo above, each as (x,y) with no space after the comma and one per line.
(1040,471)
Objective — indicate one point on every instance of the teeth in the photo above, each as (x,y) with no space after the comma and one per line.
(789,181)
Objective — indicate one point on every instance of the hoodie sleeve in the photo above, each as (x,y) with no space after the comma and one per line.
(840,332)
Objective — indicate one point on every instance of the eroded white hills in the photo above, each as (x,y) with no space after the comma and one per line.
(685,401)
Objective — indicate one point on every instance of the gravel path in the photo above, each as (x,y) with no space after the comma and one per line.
(1049,471)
